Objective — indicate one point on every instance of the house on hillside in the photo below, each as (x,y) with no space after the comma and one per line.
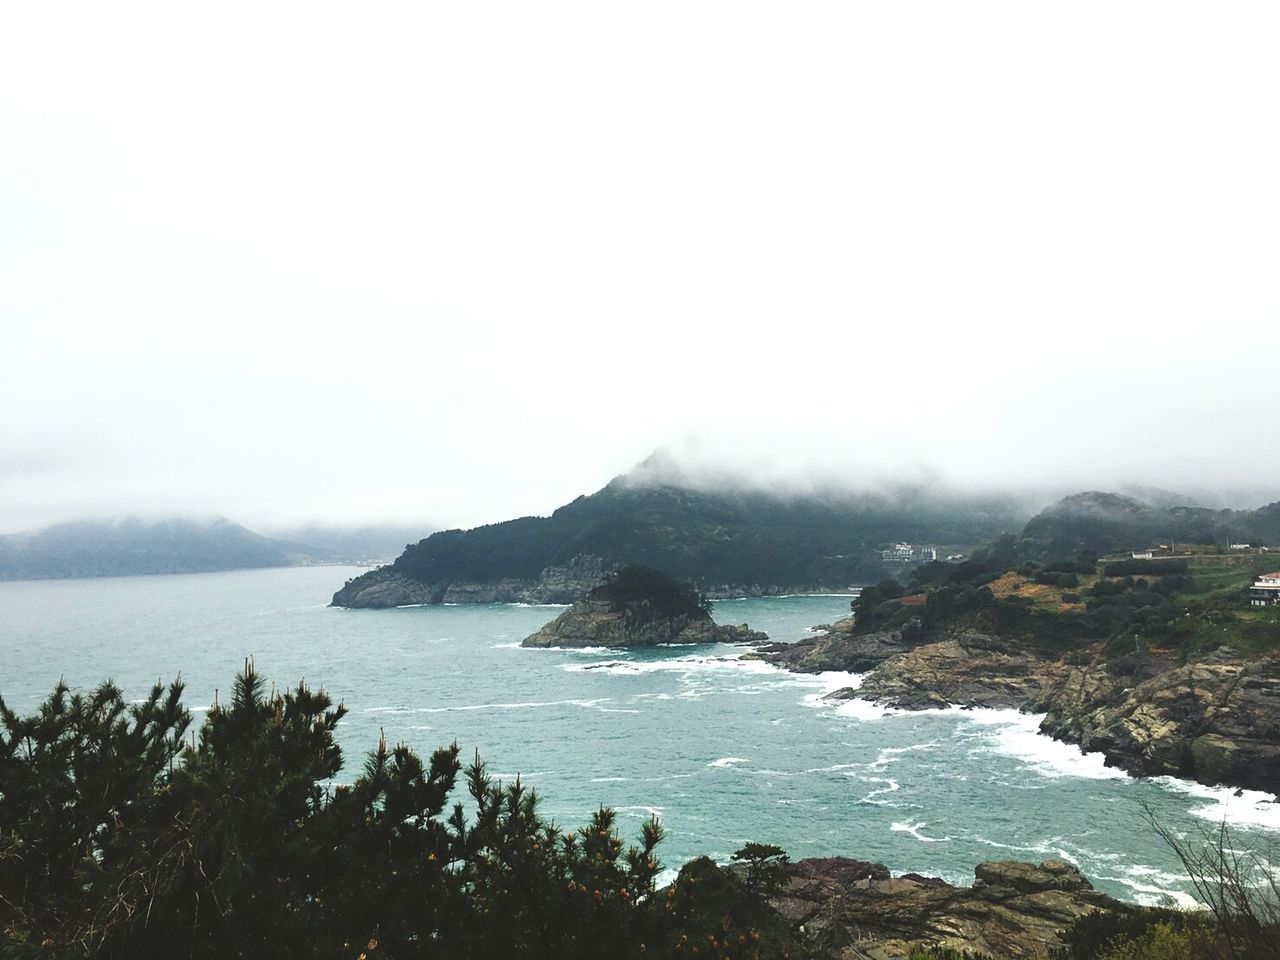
(908,553)
(1266,590)
(1143,554)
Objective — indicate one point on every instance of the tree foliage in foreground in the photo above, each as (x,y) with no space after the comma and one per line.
(124,835)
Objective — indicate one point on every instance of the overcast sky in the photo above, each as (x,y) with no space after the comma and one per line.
(457,262)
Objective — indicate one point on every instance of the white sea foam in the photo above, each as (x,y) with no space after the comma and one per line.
(857,709)
(891,788)
(683,665)
(522,705)
(1017,735)
(914,830)
(888,755)
(588,651)
(1150,895)
(641,808)
(727,761)
(666,877)
(1252,808)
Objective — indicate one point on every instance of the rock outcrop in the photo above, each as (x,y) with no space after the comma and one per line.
(968,670)
(386,587)
(599,623)
(839,648)
(1216,720)
(854,909)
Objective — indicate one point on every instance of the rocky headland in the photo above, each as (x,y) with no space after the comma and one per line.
(386,587)
(637,607)
(1215,719)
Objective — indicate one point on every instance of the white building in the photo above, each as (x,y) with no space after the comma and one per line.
(1266,590)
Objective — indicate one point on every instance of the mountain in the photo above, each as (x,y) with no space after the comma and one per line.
(1106,522)
(107,548)
(728,542)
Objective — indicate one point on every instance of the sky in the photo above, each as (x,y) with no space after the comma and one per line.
(452,263)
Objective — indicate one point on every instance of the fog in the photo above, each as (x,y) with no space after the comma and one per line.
(451,264)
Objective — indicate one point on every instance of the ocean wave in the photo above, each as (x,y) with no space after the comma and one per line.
(674,664)
(587,651)
(888,755)
(520,705)
(1250,809)
(1150,895)
(641,808)
(1017,735)
(857,709)
(727,761)
(892,787)
(914,830)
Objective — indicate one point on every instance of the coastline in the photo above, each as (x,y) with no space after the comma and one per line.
(1153,726)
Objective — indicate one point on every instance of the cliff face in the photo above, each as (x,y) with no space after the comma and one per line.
(1216,720)
(597,623)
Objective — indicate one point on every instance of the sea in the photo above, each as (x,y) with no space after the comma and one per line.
(720,749)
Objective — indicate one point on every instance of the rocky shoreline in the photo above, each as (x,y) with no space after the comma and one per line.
(1215,720)
(386,587)
(856,909)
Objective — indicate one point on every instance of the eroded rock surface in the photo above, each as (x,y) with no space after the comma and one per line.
(839,648)
(1216,720)
(853,909)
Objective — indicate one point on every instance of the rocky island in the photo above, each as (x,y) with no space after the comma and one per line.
(637,607)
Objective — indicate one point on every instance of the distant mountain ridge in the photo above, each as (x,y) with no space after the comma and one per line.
(134,547)
(727,542)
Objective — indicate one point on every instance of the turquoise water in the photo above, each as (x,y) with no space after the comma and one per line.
(722,750)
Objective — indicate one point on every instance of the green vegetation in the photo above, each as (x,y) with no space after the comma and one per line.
(1184,605)
(712,537)
(123,836)
(1107,523)
(642,587)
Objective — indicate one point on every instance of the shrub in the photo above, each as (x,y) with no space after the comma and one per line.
(121,837)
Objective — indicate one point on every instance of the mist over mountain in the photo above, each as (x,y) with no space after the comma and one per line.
(133,546)
(371,543)
(727,534)
(1101,522)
